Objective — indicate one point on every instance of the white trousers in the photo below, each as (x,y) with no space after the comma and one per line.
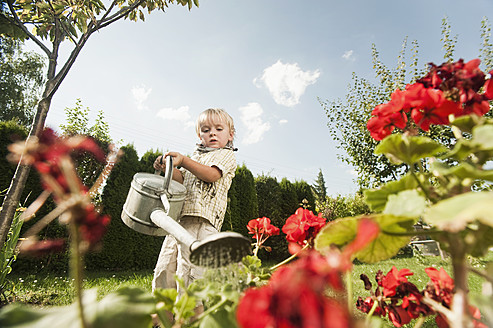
(174,258)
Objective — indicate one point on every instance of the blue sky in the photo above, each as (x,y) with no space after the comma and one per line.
(265,62)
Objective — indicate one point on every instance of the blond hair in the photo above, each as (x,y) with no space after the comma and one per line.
(215,115)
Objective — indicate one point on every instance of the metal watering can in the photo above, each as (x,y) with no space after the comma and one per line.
(153,206)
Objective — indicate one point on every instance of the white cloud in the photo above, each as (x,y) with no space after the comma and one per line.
(180,114)
(286,82)
(349,55)
(283,121)
(140,95)
(251,116)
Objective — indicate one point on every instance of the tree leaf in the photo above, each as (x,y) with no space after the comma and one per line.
(400,148)
(453,214)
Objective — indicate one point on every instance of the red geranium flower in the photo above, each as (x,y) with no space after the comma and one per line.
(50,155)
(294,298)
(488,87)
(448,89)
(303,226)
(262,229)
(398,315)
(39,248)
(393,279)
(442,286)
(262,226)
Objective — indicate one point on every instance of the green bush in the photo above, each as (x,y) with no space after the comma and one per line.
(243,203)
(123,248)
(343,206)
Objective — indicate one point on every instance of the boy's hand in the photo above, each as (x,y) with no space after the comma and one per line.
(159,164)
(177,157)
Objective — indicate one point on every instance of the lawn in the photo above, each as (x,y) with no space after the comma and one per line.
(44,289)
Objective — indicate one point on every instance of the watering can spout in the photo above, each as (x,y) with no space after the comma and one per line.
(213,251)
(160,219)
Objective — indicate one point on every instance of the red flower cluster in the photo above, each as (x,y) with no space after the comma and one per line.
(402,301)
(296,295)
(396,297)
(50,155)
(92,225)
(441,290)
(448,89)
(303,226)
(262,229)
(295,298)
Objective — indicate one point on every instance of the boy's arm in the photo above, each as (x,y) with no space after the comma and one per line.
(177,175)
(201,171)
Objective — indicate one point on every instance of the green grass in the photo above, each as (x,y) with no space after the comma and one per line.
(49,289)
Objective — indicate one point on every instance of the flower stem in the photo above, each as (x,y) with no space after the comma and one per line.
(76,270)
(412,233)
(423,189)
(459,264)
(212,309)
(292,257)
(370,313)
(419,322)
(349,292)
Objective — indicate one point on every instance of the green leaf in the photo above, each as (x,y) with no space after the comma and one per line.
(462,171)
(481,144)
(220,318)
(127,307)
(342,231)
(453,214)
(400,148)
(339,232)
(377,198)
(479,239)
(465,123)
(167,296)
(185,305)
(387,245)
(407,203)
(462,149)
(483,137)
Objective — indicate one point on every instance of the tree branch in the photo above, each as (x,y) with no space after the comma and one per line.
(84,37)
(19,23)
(120,14)
(113,4)
(57,80)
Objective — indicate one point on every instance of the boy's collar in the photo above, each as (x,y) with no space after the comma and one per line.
(202,149)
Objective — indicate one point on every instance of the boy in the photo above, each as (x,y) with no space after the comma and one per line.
(207,177)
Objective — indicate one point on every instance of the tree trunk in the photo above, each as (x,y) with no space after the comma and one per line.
(11,200)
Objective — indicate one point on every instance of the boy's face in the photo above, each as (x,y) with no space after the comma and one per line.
(215,134)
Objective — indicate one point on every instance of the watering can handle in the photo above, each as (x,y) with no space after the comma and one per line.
(168,174)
